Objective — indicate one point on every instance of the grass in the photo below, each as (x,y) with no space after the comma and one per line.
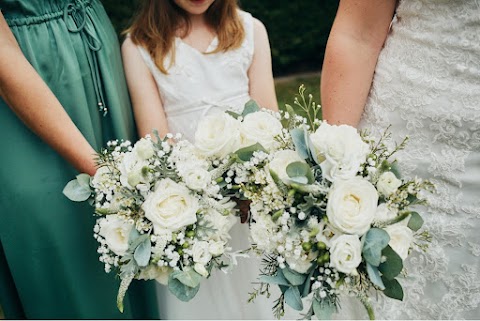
(287,88)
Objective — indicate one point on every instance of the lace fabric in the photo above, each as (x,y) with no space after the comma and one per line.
(427,86)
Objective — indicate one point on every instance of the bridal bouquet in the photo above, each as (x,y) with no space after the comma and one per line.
(160,213)
(330,213)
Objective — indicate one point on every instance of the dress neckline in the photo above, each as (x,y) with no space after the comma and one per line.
(209,48)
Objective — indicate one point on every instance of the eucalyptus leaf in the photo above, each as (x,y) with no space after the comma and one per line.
(76,191)
(143,252)
(393,289)
(134,243)
(180,290)
(278,278)
(294,277)
(374,242)
(188,277)
(305,288)
(134,234)
(246,153)
(395,170)
(415,222)
(84,180)
(299,180)
(298,138)
(393,264)
(250,107)
(374,276)
(293,299)
(300,170)
(323,309)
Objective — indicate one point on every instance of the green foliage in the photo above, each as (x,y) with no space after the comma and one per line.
(415,222)
(293,299)
(78,190)
(298,31)
(184,284)
(373,243)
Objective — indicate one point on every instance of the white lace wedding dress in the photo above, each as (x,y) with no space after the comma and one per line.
(196,84)
(427,86)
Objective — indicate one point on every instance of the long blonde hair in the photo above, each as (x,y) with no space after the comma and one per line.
(158,21)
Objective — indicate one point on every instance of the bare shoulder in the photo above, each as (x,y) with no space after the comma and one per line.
(259,28)
(128,47)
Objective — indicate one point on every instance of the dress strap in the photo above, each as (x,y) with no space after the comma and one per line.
(248,25)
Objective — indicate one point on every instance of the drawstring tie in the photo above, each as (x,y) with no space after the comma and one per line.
(77,10)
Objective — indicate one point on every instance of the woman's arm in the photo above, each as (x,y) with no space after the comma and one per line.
(356,38)
(147,104)
(262,87)
(33,102)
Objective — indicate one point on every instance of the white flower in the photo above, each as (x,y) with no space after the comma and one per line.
(196,178)
(217,135)
(102,175)
(131,170)
(352,205)
(280,162)
(170,206)
(384,213)
(201,253)
(144,149)
(263,232)
(340,150)
(261,127)
(115,230)
(298,265)
(200,269)
(216,248)
(401,238)
(163,274)
(346,254)
(221,223)
(153,271)
(388,184)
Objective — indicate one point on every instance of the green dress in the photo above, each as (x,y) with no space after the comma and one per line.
(49,267)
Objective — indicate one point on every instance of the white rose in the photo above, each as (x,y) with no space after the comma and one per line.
(388,184)
(262,233)
(280,162)
(384,213)
(340,151)
(144,148)
(131,170)
(196,178)
(401,238)
(262,127)
(200,269)
(352,205)
(218,134)
(102,175)
(346,253)
(298,265)
(115,230)
(170,206)
(216,248)
(201,253)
